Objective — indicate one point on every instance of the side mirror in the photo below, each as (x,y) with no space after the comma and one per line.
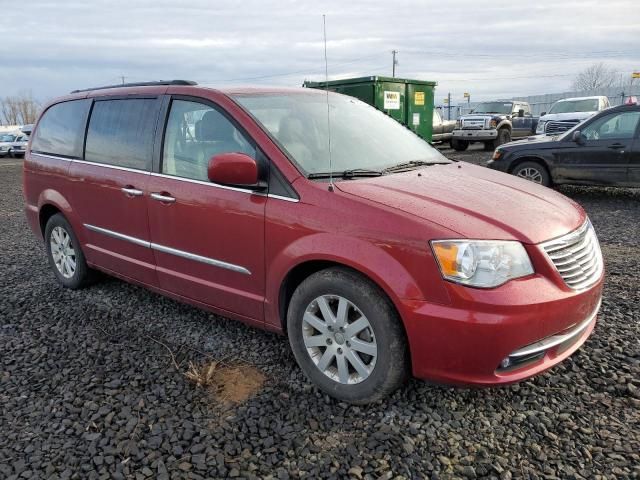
(521,112)
(543,114)
(578,137)
(234,169)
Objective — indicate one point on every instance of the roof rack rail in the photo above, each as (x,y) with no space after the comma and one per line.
(139,84)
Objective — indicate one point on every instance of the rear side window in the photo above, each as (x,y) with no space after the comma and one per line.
(61,129)
(120,132)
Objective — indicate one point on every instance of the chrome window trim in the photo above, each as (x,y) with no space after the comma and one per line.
(172,177)
(172,251)
(202,182)
(115,167)
(280,197)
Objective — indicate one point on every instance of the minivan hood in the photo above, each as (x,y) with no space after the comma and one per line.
(474,202)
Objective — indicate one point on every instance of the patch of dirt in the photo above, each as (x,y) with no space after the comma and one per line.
(229,384)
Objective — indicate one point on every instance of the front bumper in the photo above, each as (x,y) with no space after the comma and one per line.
(502,335)
(475,135)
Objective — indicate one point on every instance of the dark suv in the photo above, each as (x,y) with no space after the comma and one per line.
(603,150)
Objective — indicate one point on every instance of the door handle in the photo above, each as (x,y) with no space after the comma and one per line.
(131,191)
(163,198)
(616,146)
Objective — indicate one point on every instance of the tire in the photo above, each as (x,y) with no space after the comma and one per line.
(534,172)
(459,145)
(375,328)
(488,147)
(504,136)
(57,231)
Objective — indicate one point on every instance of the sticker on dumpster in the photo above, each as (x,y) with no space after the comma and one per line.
(419,98)
(391,100)
(416,119)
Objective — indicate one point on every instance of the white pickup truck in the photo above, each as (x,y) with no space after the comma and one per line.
(568,112)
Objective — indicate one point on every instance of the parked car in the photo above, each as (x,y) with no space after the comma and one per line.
(380,261)
(604,150)
(494,123)
(13,144)
(567,113)
(442,129)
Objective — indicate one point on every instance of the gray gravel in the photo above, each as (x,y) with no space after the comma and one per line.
(88,389)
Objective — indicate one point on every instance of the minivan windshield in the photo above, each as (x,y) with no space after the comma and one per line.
(493,107)
(569,106)
(363,139)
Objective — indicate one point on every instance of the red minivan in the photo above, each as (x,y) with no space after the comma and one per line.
(316,215)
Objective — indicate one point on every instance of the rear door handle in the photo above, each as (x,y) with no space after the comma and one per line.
(131,191)
(616,146)
(163,198)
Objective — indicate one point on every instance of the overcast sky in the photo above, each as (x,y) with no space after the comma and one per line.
(491,49)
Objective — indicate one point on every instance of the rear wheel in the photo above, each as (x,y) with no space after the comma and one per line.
(347,337)
(65,256)
(534,172)
(459,145)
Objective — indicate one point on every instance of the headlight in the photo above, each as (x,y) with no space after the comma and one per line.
(481,263)
(458,123)
(4,148)
(540,127)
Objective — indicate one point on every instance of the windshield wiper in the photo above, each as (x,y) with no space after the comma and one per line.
(409,165)
(356,172)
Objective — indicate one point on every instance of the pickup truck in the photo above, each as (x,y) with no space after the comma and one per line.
(494,123)
(567,113)
(442,129)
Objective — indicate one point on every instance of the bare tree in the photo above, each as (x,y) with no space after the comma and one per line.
(20,109)
(596,76)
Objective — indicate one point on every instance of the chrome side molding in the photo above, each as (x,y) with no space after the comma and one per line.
(172,251)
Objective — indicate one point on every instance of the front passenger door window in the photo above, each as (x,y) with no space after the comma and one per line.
(195,133)
(619,126)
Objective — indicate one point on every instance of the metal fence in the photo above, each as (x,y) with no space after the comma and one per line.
(542,103)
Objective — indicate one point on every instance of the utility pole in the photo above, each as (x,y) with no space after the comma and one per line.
(122,77)
(395,62)
(449,106)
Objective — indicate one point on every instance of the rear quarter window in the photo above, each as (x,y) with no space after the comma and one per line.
(61,129)
(121,132)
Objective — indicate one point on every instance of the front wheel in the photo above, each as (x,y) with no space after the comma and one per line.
(347,337)
(459,145)
(534,172)
(504,136)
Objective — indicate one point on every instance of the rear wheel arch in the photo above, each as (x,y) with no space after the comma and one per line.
(47,211)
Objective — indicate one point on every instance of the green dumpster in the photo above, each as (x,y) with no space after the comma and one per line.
(408,101)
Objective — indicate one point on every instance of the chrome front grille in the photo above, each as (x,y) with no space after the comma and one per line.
(554,127)
(577,257)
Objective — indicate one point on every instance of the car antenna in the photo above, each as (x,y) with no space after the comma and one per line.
(326,84)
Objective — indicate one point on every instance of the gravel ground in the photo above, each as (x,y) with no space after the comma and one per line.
(89,389)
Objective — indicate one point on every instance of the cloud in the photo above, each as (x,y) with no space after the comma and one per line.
(499,49)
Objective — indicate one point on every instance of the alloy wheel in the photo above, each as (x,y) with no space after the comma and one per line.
(339,339)
(62,251)
(531,174)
